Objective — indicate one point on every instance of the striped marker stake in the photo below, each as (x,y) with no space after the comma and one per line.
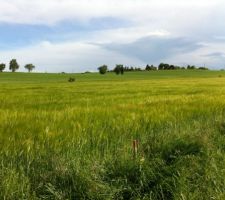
(135,148)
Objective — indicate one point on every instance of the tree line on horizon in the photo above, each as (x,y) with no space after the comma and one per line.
(14,66)
(120,69)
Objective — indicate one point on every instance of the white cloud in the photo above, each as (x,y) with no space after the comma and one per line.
(197,20)
(68,57)
(54,11)
(125,35)
(177,17)
(80,56)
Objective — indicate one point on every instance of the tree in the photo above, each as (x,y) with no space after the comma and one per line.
(119,69)
(29,67)
(13,65)
(166,66)
(122,70)
(172,67)
(148,68)
(2,67)
(191,67)
(161,66)
(103,69)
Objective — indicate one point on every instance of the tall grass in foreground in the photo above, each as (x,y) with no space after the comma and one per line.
(74,141)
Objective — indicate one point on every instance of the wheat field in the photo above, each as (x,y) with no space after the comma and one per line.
(61,140)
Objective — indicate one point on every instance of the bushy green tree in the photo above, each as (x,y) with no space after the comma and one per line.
(119,69)
(191,67)
(172,67)
(122,70)
(29,67)
(165,66)
(149,68)
(2,67)
(103,69)
(13,65)
(161,66)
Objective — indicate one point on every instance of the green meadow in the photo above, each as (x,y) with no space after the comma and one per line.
(61,140)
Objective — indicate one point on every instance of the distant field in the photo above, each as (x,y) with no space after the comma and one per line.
(61,140)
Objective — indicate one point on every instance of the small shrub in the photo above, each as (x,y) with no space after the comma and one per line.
(71,79)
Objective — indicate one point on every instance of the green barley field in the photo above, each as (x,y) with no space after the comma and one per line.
(61,140)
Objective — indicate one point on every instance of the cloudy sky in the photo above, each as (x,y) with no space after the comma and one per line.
(80,35)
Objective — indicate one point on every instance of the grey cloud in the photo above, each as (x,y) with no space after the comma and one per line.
(215,55)
(155,48)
